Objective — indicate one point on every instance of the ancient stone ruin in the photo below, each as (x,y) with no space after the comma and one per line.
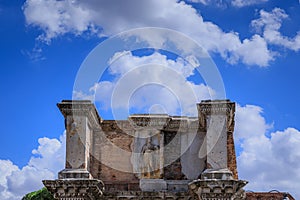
(149,156)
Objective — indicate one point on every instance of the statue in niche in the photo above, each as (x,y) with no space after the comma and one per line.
(151,160)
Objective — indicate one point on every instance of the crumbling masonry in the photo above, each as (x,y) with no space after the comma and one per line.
(149,156)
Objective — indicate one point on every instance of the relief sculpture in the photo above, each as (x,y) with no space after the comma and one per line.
(150,154)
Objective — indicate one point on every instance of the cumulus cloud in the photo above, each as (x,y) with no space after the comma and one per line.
(254,50)
(143,82)
(6,169)
(57,18)
(269,24)
(267,162)
(46,161)
(246,116)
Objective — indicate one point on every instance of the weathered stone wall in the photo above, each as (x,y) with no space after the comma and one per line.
(213,115)
(188,150)
(193,159)
(105,140)
(148,196)
(231,156)
(172,155)
(195,156)
(109,149)
(113,133)
(268,196)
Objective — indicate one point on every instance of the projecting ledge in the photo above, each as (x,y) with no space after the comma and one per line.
(81,189)
(218,184)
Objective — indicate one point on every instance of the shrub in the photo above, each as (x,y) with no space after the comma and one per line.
(42,194)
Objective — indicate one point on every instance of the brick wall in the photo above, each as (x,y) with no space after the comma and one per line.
(268,196)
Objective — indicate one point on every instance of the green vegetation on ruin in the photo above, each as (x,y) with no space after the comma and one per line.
(42,194)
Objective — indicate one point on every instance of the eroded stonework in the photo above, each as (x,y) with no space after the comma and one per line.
(149,156)
(218,184)
(75,189)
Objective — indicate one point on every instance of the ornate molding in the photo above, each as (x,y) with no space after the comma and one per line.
(151,121)
(80,108)
(219,189)
(164,122)
(75,189)
(218,184)
(216,107)
(137,195)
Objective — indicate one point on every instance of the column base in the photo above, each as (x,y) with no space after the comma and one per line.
(218,184)
(74,173)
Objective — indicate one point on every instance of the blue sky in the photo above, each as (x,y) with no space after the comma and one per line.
(255,46)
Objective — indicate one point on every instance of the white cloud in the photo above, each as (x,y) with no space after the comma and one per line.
(57,18)
(246,117)
(45,163)
(27,179)
(154,80)
(120,65)
(205,2)
(49,150)
(267,162)
(235,3)
(242,3)
(217,3)
(254,50)
(6,169)
(82,95)
(269,25)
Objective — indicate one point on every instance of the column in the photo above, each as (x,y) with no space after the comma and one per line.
(75,182)
(216,118)
(219,180)
(81,118)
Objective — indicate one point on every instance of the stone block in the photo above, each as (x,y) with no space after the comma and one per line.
(153,185)
(177,185)
(74,174)
(220,174)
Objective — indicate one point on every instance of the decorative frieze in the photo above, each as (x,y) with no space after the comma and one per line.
(75,189)
(152,121)
(138,195)
(80,108)
(216,107)
(163,122)
(218,184)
